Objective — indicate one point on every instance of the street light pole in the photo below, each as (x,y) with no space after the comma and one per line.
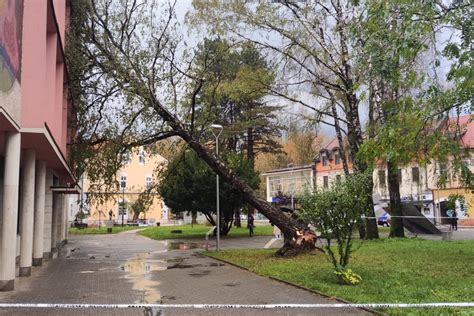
(218,128)
(123,202)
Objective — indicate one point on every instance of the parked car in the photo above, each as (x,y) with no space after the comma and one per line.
(384,219)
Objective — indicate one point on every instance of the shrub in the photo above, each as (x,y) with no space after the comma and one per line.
(335,213)
(347,276)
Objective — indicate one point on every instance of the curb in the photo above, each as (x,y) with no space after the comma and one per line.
(299,286)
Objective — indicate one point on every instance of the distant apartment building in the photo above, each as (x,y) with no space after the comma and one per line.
(133,178)
(328,165)
(419,185)
(35,112)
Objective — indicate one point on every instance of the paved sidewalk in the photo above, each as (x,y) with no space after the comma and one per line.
(128,268)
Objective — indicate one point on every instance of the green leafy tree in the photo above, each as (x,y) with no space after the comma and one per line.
(237,77)
(237,80)
(335,213)
(189,185)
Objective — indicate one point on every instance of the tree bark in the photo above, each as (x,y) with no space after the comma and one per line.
(237,222)
(396,229)
(342,150)
(368,230)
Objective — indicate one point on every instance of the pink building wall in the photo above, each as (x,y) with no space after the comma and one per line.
(34,77)
(43,99)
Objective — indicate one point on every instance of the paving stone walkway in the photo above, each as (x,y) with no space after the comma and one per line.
(128,268)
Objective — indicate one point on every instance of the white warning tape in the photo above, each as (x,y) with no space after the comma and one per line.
(408,216)
(236,306)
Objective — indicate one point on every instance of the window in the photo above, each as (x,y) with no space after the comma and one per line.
(325,160)
(122,208)
(275,185)
(148,182)
(141,157)
(415,174)
(292,186)
(123,182)
(325,182)
(443,172)
(126,157)
(443,168)
(337,158)
(338,178)
(382,180)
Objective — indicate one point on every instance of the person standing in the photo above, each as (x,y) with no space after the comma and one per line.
(455,220)
(250,223)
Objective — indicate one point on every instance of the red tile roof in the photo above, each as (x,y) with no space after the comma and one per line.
(466,128)
(333,143)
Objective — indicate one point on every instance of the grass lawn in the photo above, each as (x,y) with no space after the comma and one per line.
(102,230)
(392,270)
(199,231)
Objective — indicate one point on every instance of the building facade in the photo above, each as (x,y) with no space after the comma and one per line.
(328,165)
(419,184)
(137,174)
(290,181)
(35,173)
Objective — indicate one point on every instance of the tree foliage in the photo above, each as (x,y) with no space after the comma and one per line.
(236,81)
(189,185)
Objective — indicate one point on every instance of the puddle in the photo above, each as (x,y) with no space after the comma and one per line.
(231,284)
(185,245)
(139,271)
(216,264)
(198,255)
(183,266)
(199,274)
(187,266)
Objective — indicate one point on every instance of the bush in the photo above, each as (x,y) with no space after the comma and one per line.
(335,213)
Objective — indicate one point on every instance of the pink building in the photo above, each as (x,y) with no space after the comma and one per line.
(35,173)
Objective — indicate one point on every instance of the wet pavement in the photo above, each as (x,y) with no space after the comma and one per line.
(127,268)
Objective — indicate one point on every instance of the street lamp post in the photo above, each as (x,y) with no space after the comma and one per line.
(216,131)
(123,203)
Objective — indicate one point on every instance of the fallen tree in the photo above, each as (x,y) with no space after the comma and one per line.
(133,85)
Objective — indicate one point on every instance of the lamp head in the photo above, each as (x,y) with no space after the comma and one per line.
(216,129)
(217,126)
